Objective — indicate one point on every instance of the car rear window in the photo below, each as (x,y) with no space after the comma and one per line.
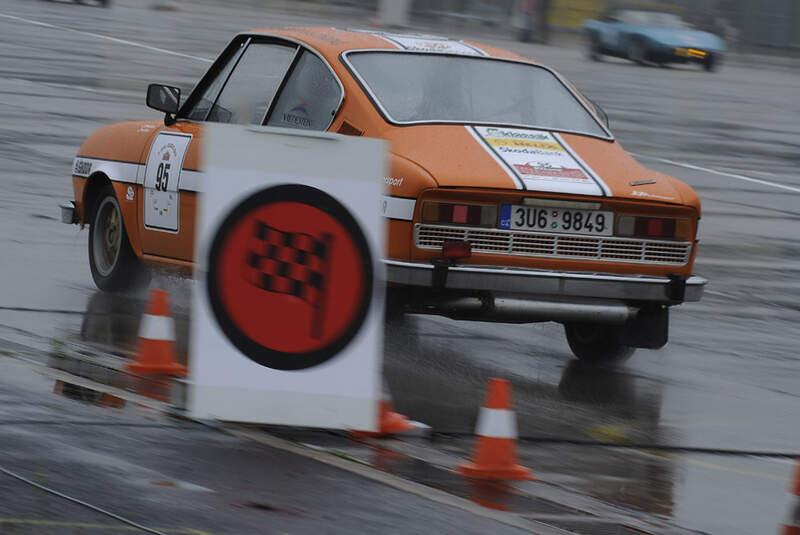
(412,88)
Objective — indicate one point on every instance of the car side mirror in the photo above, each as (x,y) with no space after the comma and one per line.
(164,98)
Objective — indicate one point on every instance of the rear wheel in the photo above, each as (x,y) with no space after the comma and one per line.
(112,261)
(596,343)
(593,48)
(636,52)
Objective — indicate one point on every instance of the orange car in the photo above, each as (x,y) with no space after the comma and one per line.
(509,199)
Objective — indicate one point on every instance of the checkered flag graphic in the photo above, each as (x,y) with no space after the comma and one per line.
(292,263)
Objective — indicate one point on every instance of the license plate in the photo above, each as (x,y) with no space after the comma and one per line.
(594,222)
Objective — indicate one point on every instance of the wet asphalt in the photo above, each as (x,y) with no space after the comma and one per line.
(728,380)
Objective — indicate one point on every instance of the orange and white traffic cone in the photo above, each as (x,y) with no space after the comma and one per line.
(391,422)
(495,453)
(793,527)
(156,354)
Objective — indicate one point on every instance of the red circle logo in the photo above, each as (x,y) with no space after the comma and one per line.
(290,277)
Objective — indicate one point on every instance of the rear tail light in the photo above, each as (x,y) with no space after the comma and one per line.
(653,227)
(475,215)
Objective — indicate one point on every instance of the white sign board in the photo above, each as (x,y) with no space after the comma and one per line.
(287,318)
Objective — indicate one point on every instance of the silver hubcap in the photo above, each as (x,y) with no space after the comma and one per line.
(107,236)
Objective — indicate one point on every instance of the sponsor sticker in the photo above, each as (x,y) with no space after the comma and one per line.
(534,155)
(81,167)
(428,43)
(298,116)
(540,160)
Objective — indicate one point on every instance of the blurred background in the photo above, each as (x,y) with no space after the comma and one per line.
(747,25)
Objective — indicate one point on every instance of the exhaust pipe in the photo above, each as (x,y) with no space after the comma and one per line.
(503,310)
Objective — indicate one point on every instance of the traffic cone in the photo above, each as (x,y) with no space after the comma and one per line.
(495,453)
(156,355)
(391,422)
(793,527)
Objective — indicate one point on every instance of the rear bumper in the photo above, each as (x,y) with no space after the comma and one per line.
(68,213)
(540,284)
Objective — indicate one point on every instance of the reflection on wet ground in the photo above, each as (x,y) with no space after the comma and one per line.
(577,403)
(562,399)
(112,321)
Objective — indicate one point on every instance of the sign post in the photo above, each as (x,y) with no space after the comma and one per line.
(287,318)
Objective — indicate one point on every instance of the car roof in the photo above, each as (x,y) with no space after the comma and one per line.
(331,42)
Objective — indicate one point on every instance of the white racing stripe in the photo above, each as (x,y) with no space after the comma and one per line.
(720,173)
(511,174)
(116,171)
(157,328)
(496,423)
(397,207)
(127,172)
(575,156)
(107,38)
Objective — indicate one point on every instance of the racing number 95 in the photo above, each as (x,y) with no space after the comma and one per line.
(162,176)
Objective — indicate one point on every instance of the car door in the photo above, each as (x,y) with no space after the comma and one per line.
(239,88)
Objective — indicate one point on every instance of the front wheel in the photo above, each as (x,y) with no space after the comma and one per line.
(593,48)
(711,63)
(595,343)
(112,261)
(637,52)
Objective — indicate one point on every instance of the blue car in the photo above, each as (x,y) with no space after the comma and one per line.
(651,36)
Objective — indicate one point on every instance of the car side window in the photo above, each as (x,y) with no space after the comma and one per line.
(204,101)
(310,97)
(252,84)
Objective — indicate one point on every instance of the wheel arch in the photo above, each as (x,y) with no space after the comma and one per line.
(96,183)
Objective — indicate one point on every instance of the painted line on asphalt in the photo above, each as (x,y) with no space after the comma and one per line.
(368,472)
(91,525)
(106,37)
(751,473)
(719,294)
(720,173)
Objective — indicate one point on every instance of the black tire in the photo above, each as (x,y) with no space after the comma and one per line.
(112,261)
(637,52)
(711,63)
(595,343)
(593,48)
